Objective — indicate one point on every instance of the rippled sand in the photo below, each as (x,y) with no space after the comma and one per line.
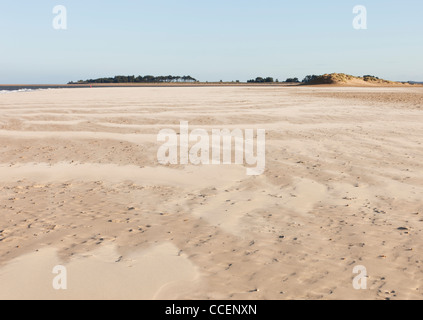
(81,186)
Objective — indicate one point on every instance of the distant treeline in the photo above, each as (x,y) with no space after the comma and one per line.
(310,79)
(270,80)
(139,79)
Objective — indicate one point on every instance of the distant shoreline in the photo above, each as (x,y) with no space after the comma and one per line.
(131,85)
(12,87)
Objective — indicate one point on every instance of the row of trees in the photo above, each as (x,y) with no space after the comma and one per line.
(270,80)
(261,80)
(307,80)
(292,80)
(310,78)
(167,79)
(139,79)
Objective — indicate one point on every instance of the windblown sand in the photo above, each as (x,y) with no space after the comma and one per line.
(81,187)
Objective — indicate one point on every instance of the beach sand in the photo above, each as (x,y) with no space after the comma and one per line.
(81,187)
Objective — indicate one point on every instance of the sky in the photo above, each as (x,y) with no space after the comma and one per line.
(211,40)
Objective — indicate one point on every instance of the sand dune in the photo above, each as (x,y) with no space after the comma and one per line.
(342,79)
(81,186)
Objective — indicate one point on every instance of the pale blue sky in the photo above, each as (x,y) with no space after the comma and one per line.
(209,39)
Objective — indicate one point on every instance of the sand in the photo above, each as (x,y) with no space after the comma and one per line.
(101,274)
(81,187)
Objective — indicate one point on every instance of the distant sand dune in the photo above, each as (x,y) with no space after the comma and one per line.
(351,81)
